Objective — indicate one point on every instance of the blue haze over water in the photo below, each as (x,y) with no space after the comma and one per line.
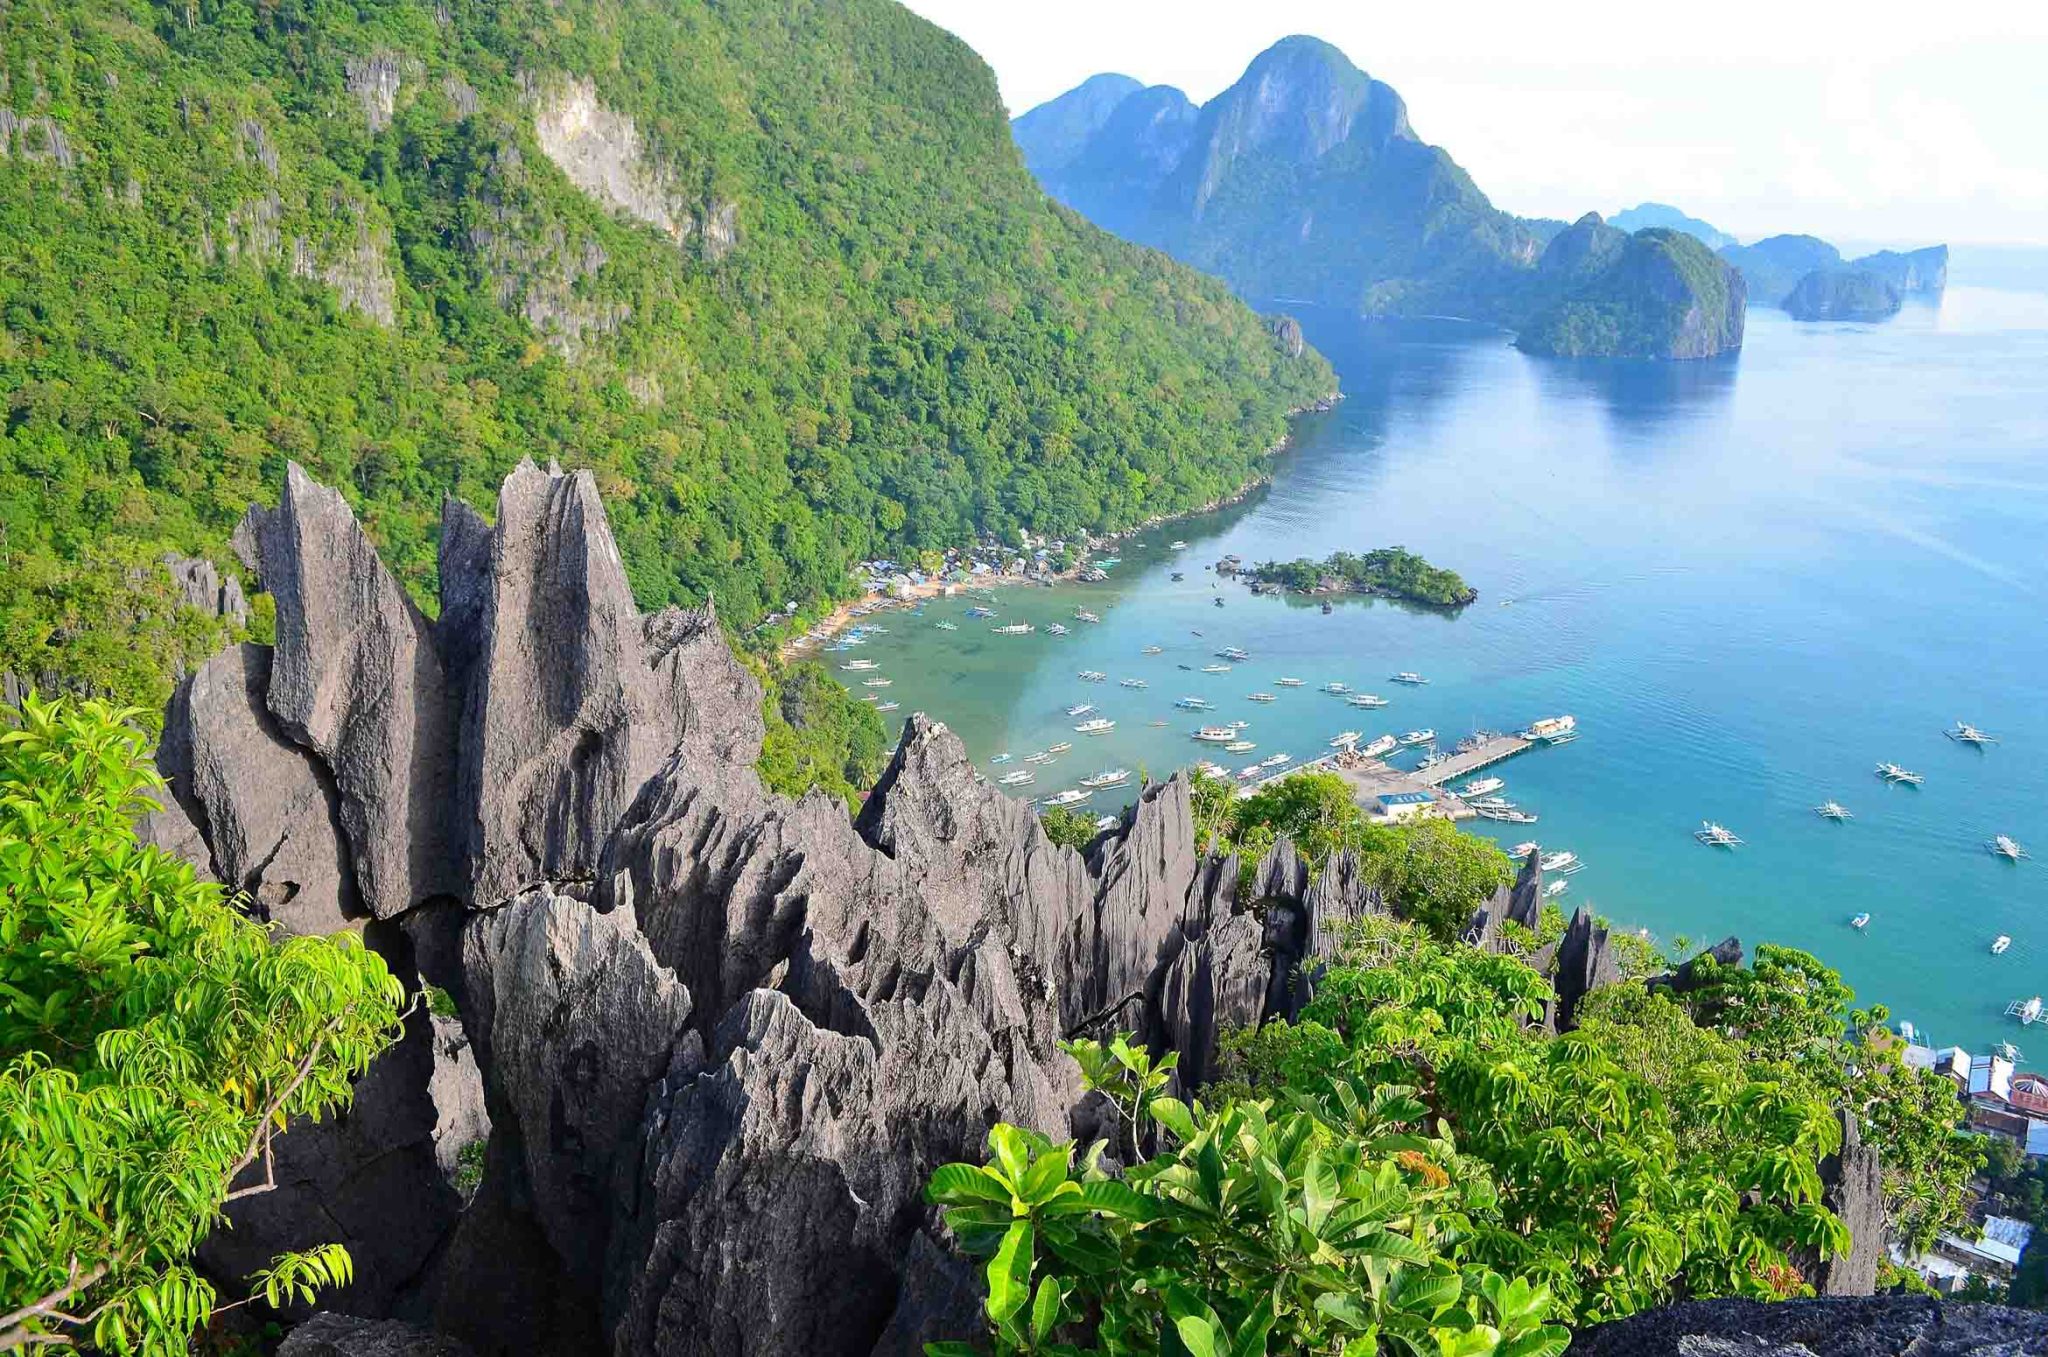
(1750,579)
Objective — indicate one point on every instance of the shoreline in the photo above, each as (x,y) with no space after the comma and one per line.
(846,613)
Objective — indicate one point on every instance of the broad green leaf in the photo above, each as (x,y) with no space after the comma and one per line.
(1045,1310)
(1196,1335)
(958,1184)
(1009,1273)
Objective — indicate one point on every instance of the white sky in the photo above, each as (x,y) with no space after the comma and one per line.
(1875,122)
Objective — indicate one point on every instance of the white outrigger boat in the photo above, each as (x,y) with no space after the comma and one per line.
(1965,733)
(1132,683)
(1999,944)
(1098,726)
(1435,758)
(1564,862)
(1485,786)
(1062,747)
(1553,730)
(1557,888)
(1507,815)
(1288,682)
(1042,756)
(1083,615)
(1055,629)
(1081,709)
(889,706)
(1275,760)
(1380,747)
(1859,921)
(1216,734)
(1233,654)
(1344,739)
(1373,700)
(1071,797)
(2028,1011)
(947,626)
(1195,704)
(1409,677)
(1338,688)
(1239,747)
(859,666)
(1716,836)
(1832,810)
(1154,650)
(1091,676)
(1000,758)
(1113,777)
(1258,697)
(1215,668)
(1023,777)
(2005,846)
(1013,629)
(1423,736)
(1891,772)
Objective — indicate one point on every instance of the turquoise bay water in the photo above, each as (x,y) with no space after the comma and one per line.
(1751,580)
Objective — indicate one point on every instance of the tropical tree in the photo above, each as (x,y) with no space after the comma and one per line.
(153,1041)
(1325,1225)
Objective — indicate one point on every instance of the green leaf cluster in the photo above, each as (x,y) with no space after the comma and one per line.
(1321,1224)
(152,1039)
(1618,1189)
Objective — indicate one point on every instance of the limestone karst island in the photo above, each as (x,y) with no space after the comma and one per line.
(799,678)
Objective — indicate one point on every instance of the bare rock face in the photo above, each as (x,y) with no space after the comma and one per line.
(575,1019)
(566,713)
(332,1335)
(1525,902)
(357,680)
(270,814)
(1585,962)
(201,586)
(1854,1191)
(1877,1326)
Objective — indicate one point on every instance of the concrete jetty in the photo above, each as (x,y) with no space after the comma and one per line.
(1371,779)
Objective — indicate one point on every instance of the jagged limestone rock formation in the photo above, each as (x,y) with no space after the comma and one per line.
(332,1335)
(1875,1326)
(1854,1191)
(723,1037)
(356,680)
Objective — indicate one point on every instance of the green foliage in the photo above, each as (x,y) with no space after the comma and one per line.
(469,1168)
(1066,826)
(1389,572)
(818,734)
(1325,1225)
(153,1039)
(440,1002)
(904,344)
(1665,295)
(1618,1190)
(1429,871)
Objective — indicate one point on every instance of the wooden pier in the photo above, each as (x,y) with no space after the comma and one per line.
(1489,752)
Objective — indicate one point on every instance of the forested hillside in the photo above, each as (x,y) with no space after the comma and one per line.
(771,267)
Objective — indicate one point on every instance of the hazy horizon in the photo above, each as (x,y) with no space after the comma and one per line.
(1871,125)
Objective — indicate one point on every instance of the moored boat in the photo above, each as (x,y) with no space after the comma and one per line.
(1216,734)
(1215,668)
(1373,700)
(1860,920)
(1409,677)
(1999,944)
(1965,733)
(1380,747)
(1097,726)
(1112,777)
(1239,747)
(1288,682)
(1013,629)
(859,666)
(1344,739)
(1716,836)
(2005,846)
(1891,772)
(2028,1011)
(1062,747)
(1552,730)
(1258,697)
(1021,778)
(1483,787)
(1832,810)
(1081,709)
(1423,736)
(1072,797)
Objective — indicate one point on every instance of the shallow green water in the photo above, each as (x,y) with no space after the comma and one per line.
(1750,580)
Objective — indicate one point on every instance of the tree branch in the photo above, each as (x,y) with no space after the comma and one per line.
(259,1142)
(13,1331)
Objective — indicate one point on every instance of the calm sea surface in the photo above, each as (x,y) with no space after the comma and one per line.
(1751,580)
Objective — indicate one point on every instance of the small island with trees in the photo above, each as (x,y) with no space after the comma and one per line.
(1389,572)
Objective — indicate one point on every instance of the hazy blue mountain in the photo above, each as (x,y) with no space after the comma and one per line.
(1910,271)
(1775,264)
(1645,215)
(1842,294)
(1305,181)
(1054,133)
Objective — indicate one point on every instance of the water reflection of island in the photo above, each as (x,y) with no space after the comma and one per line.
(1640,397)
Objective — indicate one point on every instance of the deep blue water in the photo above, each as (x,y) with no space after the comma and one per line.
(1750,579)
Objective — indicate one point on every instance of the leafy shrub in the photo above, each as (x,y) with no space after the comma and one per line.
(1323,1225)
(152,1040)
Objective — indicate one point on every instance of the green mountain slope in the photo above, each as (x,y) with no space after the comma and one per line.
(772,267)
